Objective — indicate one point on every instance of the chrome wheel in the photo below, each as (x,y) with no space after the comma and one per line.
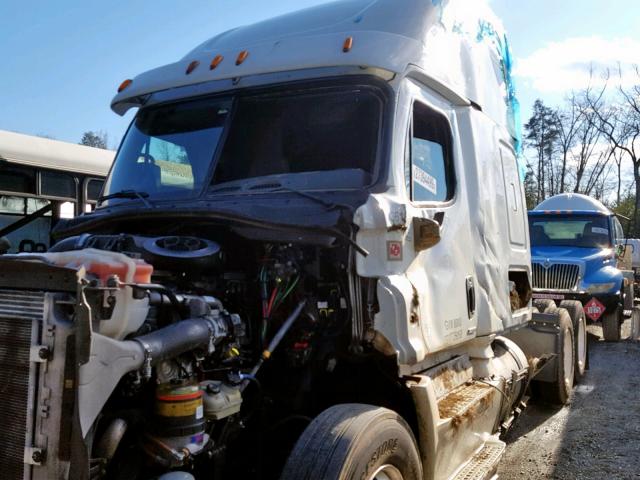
(568,360)
(581,345)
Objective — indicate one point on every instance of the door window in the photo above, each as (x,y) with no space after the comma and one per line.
(431,170)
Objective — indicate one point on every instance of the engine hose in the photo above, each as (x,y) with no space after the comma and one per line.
(110,439)
(277,338)
(175,339)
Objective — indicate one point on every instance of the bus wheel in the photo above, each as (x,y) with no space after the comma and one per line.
(576,312)
(355,441)
(611,325)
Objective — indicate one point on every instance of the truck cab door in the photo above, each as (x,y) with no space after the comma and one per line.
(442,275)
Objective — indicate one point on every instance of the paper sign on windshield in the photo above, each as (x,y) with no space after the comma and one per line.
(602,231)
(425,180)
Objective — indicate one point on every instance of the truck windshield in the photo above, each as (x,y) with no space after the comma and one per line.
(570,231)
(167,151)
(173,151)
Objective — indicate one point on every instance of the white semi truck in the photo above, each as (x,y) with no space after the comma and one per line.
(310,261)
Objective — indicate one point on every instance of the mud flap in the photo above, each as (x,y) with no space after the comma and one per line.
(539,340)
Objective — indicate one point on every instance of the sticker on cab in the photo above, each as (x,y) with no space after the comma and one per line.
(602,231)
(394,250)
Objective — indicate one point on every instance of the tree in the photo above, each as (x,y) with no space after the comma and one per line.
(541,134)
(620,125)
(94,139)
(530,188)
(568,120)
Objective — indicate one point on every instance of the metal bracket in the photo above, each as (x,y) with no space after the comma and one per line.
(39,353)
(34,456)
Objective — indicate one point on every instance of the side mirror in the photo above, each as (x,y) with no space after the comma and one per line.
(5,245)
(426,233)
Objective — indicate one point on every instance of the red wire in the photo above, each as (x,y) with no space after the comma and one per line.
(273,297)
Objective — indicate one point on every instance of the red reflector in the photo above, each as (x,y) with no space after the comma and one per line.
(242,56)
(125,84)
(216,61)
(192,66)
(348,43)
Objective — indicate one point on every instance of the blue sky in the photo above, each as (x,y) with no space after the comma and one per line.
(63,60)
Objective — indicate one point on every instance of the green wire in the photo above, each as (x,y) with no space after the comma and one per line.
(287,292)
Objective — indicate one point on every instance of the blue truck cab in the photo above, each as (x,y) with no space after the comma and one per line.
(575,244)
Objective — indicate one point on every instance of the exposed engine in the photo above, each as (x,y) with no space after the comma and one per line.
(189,345)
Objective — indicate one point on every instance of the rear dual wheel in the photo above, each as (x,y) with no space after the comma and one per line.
(579,321)
(354,442)
(558,391)
(581,345)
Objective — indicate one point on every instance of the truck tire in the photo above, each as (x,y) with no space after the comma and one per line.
(558,391)
(353,442)
(611,325)
(628,296)
(542,304)
(581,345)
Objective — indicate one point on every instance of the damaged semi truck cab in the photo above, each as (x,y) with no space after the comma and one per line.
(310,261)
(576,243)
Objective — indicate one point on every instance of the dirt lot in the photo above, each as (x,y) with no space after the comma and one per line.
(596,436)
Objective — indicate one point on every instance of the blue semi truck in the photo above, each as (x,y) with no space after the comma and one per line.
(576,243)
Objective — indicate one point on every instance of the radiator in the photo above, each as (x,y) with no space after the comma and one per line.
(21,315)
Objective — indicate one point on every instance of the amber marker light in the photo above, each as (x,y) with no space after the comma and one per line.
(125,84)
(216,61)
(192,66)
(242,56)
(348,43)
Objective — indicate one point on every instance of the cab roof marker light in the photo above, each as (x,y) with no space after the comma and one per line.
(215,62)
(192,66)
(348,43)
(242,56)
(124,85)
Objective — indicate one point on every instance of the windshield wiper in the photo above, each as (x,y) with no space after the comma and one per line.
(325,203)
(128,194)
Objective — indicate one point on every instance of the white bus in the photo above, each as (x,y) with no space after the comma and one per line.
(41,181)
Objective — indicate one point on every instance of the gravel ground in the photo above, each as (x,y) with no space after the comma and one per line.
(596,436)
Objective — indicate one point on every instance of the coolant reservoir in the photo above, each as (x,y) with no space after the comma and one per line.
(128,313)
(104,264)
(220,400)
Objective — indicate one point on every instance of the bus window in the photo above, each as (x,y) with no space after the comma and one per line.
(57,185)
(93,188)
(18,179)
(32,237)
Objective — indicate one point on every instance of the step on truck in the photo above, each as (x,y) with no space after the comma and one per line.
(310,261)
(578,261)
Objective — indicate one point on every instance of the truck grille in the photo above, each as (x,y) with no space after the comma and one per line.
(557,276)
(20,315)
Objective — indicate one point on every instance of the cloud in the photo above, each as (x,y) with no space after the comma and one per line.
(566,65)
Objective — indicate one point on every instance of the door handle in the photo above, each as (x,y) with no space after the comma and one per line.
(471,296)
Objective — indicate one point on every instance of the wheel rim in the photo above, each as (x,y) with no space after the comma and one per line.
(568,360)
(581,346)
(386,472)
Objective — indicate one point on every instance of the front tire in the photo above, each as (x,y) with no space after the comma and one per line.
(353,442)
(611,325)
